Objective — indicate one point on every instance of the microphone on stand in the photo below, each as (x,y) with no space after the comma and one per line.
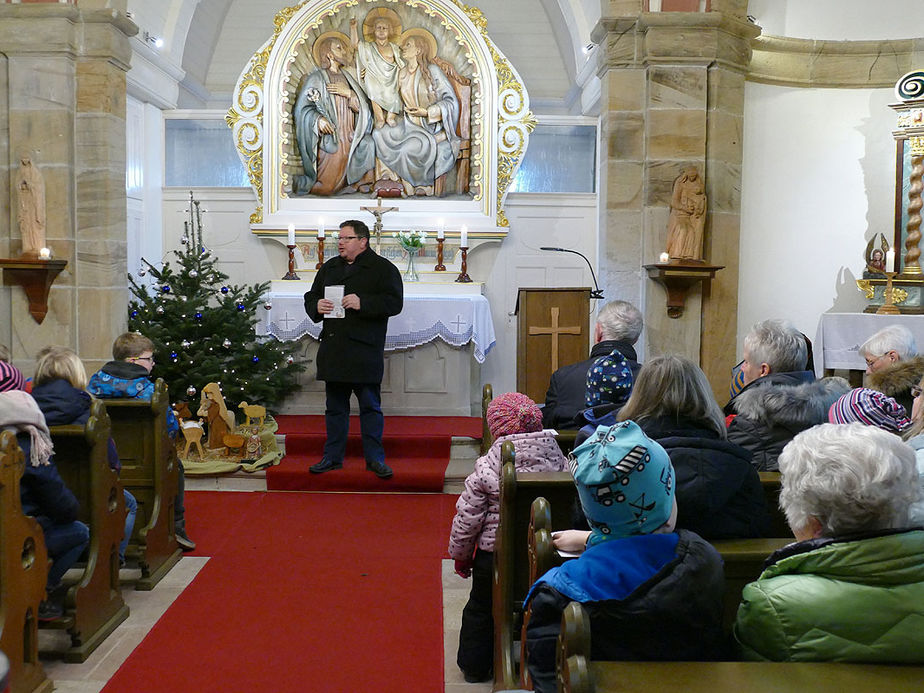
(596,293)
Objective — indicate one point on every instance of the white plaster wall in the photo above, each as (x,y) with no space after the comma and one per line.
(818,180)
(838,20)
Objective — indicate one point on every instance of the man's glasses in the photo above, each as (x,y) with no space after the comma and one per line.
(348,238)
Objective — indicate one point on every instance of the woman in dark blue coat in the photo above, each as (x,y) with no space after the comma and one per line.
(719,495)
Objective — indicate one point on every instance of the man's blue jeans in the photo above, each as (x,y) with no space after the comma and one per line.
(337,420)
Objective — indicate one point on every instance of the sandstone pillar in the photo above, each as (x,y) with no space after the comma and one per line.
(62,92)
(672,96)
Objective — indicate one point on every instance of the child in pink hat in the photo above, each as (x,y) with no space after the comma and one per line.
(514,417)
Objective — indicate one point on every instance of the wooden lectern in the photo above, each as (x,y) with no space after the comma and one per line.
(553,330)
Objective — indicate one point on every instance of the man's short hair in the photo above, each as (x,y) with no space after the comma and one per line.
(130,345)
(621,321)
(778,344)
(359,227)
(897,338)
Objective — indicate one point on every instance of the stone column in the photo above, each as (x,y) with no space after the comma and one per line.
(65,90)
(672,96)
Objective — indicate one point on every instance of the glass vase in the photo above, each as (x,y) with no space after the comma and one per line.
(410,272)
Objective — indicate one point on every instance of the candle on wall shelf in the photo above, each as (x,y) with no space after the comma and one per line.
(664,258)
(291,234)
(440,229)
(45,254)
(321,228)
(463,237)
(890,260)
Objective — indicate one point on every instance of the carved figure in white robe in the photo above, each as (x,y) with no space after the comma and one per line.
(332,126)
(423,145)
(30,192)
(688,217)
(377,63)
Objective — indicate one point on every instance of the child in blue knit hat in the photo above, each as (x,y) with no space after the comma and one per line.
(652,593)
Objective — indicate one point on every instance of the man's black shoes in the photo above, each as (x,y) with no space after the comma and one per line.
(380,469)
(325,465)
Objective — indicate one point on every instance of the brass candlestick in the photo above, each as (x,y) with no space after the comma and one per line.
(320,253)
(888,307)
(291,273)
(440,267)
(463,275)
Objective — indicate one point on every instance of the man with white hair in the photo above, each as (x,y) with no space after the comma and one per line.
(852,588)
(893,366)
(617,329)
(780,397)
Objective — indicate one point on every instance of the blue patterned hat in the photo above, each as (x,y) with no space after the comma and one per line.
(625,482)
(609,380)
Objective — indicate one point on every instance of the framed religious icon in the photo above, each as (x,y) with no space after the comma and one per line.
(352,99)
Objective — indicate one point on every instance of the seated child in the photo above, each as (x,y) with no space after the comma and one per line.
(58,389)
(514,417)
(651,593)
(128,375)
(42,491)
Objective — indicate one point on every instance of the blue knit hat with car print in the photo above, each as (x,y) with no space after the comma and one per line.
(625,482)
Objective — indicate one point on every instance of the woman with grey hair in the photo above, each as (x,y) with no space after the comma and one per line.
(893,366)
(851,589)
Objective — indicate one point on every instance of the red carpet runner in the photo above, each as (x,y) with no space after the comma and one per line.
(303,592)
(416,448)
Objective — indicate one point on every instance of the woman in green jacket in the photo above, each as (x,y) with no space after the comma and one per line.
(851,589)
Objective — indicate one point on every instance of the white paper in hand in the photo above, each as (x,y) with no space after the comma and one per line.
(334,293)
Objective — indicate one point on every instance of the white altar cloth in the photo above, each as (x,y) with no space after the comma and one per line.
(456,319)
(840,335)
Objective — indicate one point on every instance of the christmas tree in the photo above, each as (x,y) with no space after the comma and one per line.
(204,329)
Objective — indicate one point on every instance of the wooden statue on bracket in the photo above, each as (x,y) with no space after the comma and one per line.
(688,217)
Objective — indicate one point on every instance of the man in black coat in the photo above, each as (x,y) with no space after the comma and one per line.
(351,357)
(618,326)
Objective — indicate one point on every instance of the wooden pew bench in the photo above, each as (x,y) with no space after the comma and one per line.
(23,575)
(93,606)
(578,674)
(150,473)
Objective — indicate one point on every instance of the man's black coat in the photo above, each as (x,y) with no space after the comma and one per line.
(352,348)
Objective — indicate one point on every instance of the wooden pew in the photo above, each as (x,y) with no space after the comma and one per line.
(578,674)
(93,606)
(511,563)
(770,481)
(23,575)
(149,472)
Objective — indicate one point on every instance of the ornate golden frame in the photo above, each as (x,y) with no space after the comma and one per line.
(499,138)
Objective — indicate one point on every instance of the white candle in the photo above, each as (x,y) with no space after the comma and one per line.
(291,234)
(664,258)
(45,254)
(463,237)
(890,260)
(321,228)
(441,229)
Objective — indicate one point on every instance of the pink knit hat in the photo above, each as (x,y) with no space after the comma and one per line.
(11,378)
(513,412)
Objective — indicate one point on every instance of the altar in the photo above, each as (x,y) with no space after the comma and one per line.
(434,348)
(840,335)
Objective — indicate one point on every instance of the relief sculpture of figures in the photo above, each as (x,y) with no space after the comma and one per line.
(333,123)
(30,191)
(687,218)
(378,62)
(422,146)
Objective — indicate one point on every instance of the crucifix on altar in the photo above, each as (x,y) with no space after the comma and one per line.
(378,211)
(545,339)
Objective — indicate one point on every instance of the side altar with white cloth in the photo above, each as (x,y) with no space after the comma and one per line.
(433,349)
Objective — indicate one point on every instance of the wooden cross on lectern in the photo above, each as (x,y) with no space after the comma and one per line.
(555,330)
(377,212)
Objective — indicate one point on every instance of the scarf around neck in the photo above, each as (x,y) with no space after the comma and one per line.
(19,413)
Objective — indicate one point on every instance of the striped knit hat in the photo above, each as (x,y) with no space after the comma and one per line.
(513,412)
(869,407)
(11,378)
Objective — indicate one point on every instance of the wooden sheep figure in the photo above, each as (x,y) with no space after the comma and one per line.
(253,411)
(220,420)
